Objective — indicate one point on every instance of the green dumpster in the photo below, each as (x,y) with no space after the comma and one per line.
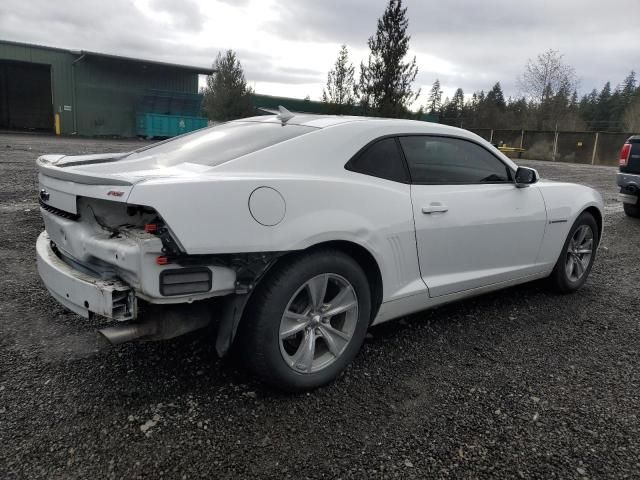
(152,125)
(167,114)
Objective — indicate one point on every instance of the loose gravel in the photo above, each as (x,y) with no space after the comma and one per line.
(517,384)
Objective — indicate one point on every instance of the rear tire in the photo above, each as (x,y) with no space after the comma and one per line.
(578,254)
(291,336)
(632,210)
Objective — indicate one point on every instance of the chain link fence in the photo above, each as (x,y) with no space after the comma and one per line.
(594,148)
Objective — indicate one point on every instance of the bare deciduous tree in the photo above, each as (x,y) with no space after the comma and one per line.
(545,76)
(547,82)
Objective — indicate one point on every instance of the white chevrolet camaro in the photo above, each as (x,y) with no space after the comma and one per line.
(295,233)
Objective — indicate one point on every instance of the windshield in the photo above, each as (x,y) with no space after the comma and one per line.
(215,145)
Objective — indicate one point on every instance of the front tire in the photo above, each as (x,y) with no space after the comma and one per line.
(307,320)
(578,254)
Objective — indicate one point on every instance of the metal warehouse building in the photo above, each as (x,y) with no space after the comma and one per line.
(85,93)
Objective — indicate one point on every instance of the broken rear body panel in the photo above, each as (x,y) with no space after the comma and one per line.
(95,244)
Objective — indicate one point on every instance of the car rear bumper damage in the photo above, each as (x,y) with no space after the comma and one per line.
(80,292)
(87,295)
(116,273)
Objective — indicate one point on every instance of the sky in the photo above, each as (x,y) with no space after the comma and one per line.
(287,46)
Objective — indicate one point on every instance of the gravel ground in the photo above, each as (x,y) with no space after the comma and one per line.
(520,383)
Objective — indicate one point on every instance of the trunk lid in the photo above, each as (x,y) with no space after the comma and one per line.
(62,181)
(63,178)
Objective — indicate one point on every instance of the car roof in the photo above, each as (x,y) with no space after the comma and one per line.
(325,121)
(306,119)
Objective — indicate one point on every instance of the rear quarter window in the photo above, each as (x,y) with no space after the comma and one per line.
(381,159)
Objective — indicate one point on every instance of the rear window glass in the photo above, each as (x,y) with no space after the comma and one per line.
(215,145)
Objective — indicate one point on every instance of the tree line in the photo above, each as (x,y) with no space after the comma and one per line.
(548,87)
(554,105)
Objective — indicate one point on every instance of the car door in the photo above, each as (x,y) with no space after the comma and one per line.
(474,227)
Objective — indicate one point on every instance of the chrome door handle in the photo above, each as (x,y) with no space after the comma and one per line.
(435,208)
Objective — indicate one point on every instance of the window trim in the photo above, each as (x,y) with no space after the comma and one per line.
(510,170)
(407,174)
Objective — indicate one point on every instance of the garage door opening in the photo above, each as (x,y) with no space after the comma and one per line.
(25,97)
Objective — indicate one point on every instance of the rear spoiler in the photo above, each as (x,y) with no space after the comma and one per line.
(46,167)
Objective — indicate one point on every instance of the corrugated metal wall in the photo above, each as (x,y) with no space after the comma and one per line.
(61,81)
(107,90)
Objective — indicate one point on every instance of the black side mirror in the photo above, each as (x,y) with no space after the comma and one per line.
(526,176)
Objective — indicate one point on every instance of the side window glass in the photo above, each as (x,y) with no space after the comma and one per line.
(442,160)
(381,159)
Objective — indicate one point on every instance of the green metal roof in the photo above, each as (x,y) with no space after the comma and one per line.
(85,53)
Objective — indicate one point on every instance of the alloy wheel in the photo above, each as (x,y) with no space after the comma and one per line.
(579,253)
(318,323)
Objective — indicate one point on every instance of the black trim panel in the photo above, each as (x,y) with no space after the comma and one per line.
(58,212)
(176,272)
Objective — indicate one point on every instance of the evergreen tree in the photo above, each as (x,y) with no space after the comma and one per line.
(560,108)
(574,100)
(227,95)
(603,108)
(458,100)
(434,103)
(631,116)
(495,97)
(340,92)
(629,86)
(587,108)
(622,98)
(386,80)
(518,113)
(453,110)
(491,109)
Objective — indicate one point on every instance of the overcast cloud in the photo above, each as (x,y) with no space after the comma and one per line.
(287,46)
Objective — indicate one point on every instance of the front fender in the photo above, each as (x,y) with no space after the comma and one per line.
(564,203)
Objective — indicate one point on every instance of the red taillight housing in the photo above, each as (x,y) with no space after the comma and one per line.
(162,260)
(151,228)
(624,154)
